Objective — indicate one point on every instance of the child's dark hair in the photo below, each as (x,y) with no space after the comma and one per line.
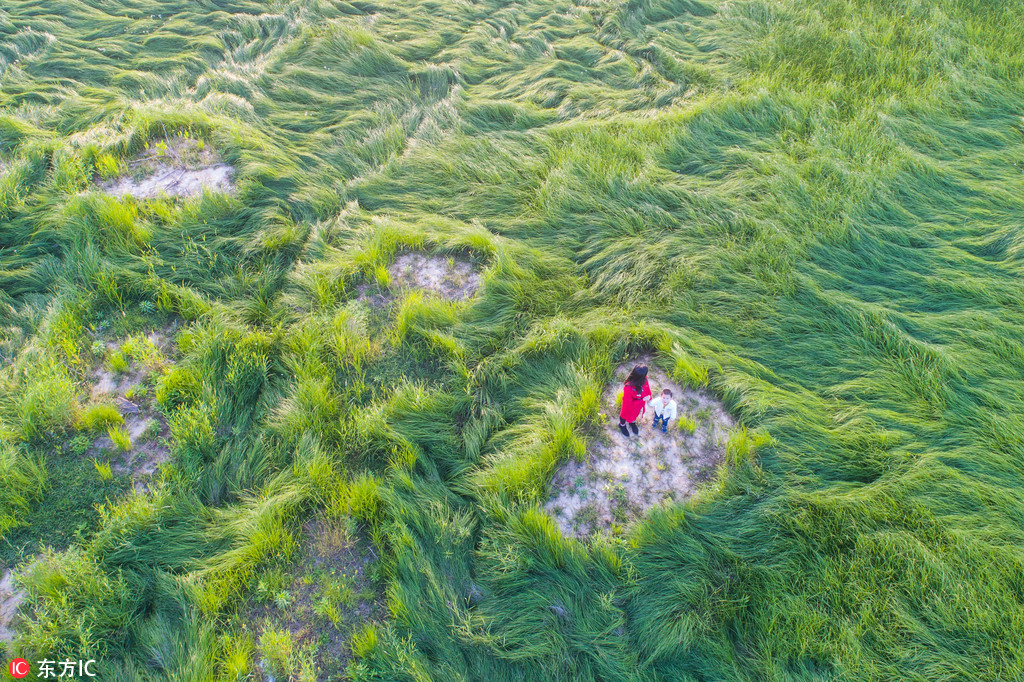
(637,377)
(669,391)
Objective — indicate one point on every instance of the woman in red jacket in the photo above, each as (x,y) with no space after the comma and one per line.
(635,394)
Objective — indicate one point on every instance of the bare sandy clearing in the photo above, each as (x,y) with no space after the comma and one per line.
(109,383)
(129,393)
(149,450)
(452,278)
(10,599)
(621,479)
(176,167)
(176,182)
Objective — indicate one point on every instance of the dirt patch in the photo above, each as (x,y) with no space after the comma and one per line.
(177,166)
(149,448)
(452,278)
(622,478)
(125,379)
(10,599)
(315,603)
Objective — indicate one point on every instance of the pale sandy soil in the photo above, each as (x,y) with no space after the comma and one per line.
(179,169)
(140,416)
(10,599)
(451,278)
(622,478)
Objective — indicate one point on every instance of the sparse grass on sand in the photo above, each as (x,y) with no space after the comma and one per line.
(808,210)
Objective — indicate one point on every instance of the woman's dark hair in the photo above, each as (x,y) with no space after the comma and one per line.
(637,377)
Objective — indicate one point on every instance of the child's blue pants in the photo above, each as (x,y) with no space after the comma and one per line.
(664,423)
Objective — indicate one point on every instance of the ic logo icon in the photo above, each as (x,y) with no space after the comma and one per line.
(18,668)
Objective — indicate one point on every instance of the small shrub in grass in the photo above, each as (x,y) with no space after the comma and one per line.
(103,469)
(236,656)
(99,416)
(277,646)
(687,424)
(283,599)
(69,174)
(117,362)
(119,436)
(382,276)
(48,403)
(21,484)
(364,640)
(192,437)
(107,166)
(179,386)
(77,606)
(77,445)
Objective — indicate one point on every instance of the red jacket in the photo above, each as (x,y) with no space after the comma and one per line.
(633,404)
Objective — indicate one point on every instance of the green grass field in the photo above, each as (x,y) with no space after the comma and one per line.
(815,209)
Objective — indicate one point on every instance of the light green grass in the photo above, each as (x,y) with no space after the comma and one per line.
(811,208)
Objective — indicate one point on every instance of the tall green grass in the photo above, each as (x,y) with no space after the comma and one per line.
(810,209)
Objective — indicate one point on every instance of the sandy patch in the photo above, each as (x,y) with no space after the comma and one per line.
(452,278)
(176,167)
(149,448)
(622,478)
(107,384)
(10,599)
(130,393)
(176,182)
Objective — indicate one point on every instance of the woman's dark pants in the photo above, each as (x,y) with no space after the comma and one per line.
(632,425)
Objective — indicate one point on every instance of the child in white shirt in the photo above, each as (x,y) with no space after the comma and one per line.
(664,409)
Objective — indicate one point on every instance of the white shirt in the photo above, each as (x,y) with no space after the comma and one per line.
(664,409)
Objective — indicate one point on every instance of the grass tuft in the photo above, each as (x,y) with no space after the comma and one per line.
(119,436)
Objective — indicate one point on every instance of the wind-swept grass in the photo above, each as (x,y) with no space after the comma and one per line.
(22,482)
(810,209)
